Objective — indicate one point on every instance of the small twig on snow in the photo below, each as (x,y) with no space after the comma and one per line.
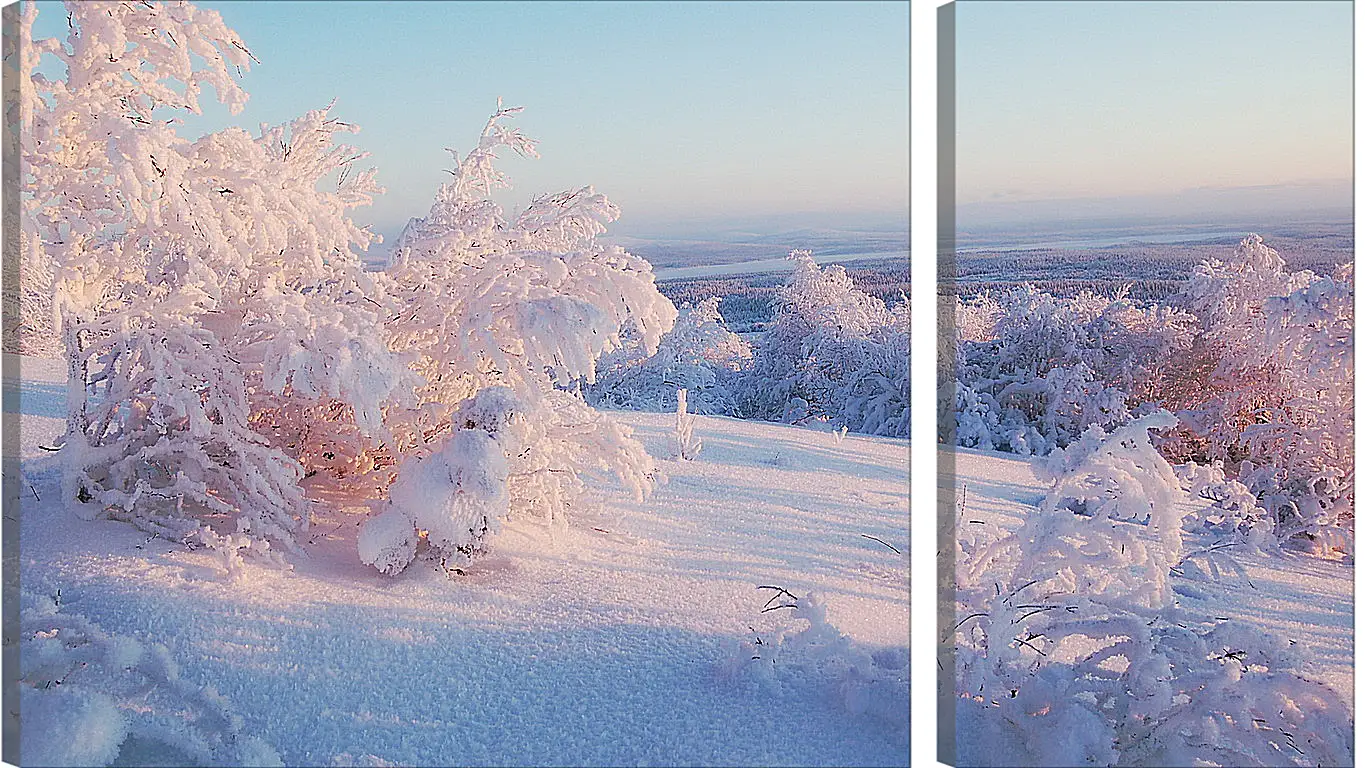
(874,538)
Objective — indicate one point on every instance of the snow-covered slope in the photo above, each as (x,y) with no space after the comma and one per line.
(624,639)
(1303,598)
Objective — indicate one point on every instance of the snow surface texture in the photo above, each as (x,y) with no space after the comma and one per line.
(1296,610)
(626,638)
(89,698)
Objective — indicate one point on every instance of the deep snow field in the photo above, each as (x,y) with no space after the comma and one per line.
(1303,598)
(624,639)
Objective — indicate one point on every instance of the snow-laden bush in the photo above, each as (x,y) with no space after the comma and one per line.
(1160,694)
(168,443)
(454,497)
(832,353)
(208,292)
(873,396)
(699,354)
(973,322)
(501,319)
(1049,368)
(86,697)
(222,337)
(1279,398)
(975,319)
(1311,441)
(1107,528)
(859,680)
(1232,514)
(1025,387)
(1071,652)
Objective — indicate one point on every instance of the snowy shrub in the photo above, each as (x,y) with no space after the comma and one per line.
(966,417)
(975,318)
(1236,698)
(1110,493)
(453,498)
(168,444)
(973,321)
(87,698)
(1070,650)
(1163,694)
(222,337)
(1025,388)
(501,461)
(1048,412)
(198,286)
(832,352)
(874,394)
(861,681)
(1311,441)
(699,354)
(1280,394)
(1232,513)
(501,319)
(1050,367)
(1138,343)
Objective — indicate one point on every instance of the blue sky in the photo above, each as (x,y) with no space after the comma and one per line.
(675,111)
(1105,99)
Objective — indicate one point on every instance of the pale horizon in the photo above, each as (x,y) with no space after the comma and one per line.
(1271,203)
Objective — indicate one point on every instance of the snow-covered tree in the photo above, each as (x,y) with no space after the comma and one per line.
(1034,380)
(1051,367)
(699,354)
(199,286)
(832,352)
(1310,441)
(1279,400)
(1229,300)
(525,308)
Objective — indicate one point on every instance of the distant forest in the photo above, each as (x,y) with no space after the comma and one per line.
(746,300)
(1152,272)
